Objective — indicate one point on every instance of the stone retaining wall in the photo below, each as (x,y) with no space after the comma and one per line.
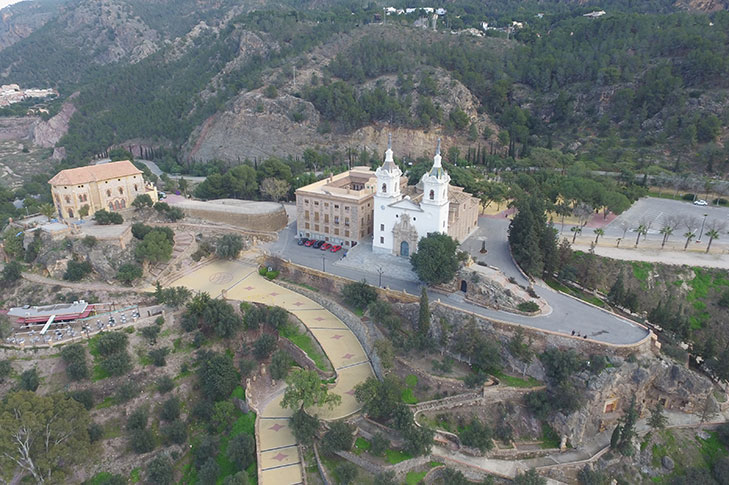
(271,221)
(302,359)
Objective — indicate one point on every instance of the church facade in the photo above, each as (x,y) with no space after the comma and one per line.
(405,214)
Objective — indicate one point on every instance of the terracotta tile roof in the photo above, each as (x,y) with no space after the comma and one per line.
(94,173)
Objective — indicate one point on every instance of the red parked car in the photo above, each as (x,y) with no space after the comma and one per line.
(309,243)
(336,248)
(325,246)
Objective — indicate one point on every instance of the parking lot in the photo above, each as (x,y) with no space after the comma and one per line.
(652,211)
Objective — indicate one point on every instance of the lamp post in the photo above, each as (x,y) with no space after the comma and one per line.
(324,264)
(702,228)
(380,271)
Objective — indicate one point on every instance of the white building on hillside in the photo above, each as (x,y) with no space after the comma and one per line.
(401,218)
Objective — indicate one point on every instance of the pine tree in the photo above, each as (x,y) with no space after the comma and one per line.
(424,317)
(617,291)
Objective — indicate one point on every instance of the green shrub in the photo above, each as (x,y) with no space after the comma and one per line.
(76,271)
(359,294)
(105,218)
(527,307)
(165,384)
(129,272)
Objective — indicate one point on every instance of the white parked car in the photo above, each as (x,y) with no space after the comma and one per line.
(701,202)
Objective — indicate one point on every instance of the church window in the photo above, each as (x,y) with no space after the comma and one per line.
(68,200)
(135,188)
(121,191)
(108,193)
(382,240)
(432,195)
(382,227)
(384,187)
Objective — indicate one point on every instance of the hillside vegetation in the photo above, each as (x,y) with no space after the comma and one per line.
(639,87)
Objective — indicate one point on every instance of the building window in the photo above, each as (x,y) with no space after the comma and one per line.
(135,188)
(336,219)
(326,228)
(306,201)
(336,206)
(316,202)
(326,204)
(68,200)
(432,195)
(346,221)
(382,240)
(316,217)
(384,187)
(382,227)
(306,226)
(336,231)
(121,191)
(306,214)
(346,207)
(108,193)
(326,218)
(316,227)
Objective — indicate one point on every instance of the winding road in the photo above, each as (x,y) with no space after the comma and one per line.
(567,313)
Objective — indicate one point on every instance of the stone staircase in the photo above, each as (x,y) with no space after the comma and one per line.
(183,242)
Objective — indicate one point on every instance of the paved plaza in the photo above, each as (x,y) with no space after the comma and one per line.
(278,454)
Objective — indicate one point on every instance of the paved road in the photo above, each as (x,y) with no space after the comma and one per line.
(567,313)
(154,168)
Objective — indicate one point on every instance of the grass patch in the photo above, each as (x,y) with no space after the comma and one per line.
(408,397)
(411,380)
(245,424)
(106,403)
(396,456)
(641,270)
(361,445)
(305,343)
(135,476)
(239,393)
(413,478)
(550,438)
(712,449)
(512,381)
(556,285)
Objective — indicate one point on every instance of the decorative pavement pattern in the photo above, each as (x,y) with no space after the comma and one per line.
(278,453)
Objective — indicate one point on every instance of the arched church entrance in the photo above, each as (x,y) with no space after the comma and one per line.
(404,249)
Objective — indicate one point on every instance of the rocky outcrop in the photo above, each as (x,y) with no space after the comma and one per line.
(19,21)
(47,133)
(17,128)
(649,381)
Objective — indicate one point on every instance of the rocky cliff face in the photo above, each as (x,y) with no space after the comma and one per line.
(649,381)
(47,133)
(702,5)
(20,20)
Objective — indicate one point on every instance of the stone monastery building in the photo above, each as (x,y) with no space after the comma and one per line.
(354,205)
(111,186)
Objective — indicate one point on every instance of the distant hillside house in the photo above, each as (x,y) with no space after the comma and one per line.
(112,186)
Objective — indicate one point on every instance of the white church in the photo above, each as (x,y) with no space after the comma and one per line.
(403,215)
